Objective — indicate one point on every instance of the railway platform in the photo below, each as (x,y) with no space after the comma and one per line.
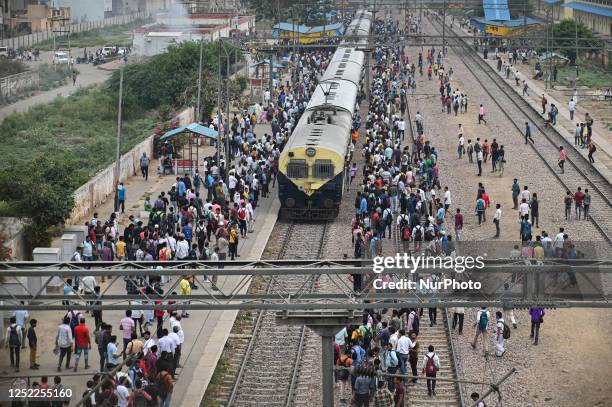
(206,332)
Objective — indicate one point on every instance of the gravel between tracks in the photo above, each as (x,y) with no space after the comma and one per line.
(570,366)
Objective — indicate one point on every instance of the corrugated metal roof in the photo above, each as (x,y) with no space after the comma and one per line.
(496,10)
(588,8)
(335,27)
(518,22)
(302,29)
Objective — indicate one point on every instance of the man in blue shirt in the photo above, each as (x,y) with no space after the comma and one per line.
(180,184)
(188,233)
(121,197)
(21,316)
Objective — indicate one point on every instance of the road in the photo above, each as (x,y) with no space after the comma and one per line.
(88,75)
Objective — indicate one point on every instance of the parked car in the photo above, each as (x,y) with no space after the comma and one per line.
(106,51)
(61,58)
(4,52)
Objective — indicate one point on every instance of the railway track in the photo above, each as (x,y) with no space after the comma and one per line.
(262,360)
(578,170)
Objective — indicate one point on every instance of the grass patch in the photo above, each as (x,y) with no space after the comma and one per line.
(11,67)
(51,77)
(120,35)
(590,75)
(82,128)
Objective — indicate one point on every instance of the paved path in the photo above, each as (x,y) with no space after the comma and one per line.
(89,75)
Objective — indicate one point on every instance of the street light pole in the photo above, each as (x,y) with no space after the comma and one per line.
(118,149)
(198,111)
(444,28)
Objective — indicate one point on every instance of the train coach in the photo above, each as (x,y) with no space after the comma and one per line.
(312,167)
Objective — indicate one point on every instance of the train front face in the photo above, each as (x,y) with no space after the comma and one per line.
(311,170)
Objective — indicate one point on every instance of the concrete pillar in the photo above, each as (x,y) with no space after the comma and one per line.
(46,254)
(69,244)
(79,230)
(327,366)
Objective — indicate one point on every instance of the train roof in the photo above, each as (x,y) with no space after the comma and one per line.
(346,64)
(341,95)
(313,130)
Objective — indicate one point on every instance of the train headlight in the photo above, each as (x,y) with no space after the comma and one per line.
(290,202)
(311,152)
(328,203)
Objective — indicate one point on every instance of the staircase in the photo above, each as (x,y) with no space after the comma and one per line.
(447,393)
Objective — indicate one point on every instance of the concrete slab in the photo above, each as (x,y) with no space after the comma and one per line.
(69,245)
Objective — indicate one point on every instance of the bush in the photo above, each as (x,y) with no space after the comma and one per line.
(52,77)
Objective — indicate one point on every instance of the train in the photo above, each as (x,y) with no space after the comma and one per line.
(312,168)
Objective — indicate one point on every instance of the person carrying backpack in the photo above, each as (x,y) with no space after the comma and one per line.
(139,397)
(480,210)
(165,387)
(13,340)
(502,332)
(431,365)
(482,323)
(417,236)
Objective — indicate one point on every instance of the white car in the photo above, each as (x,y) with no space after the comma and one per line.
(61,58)
(4,52)
(106,51)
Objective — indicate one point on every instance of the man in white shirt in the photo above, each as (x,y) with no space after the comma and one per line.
(431,365)
(447,200)
(175,338)
(497,220)
(559,239)
(148,342)
(403,350)
(526,195)
(499,335)
(523,208)
(165,343)
(182,248)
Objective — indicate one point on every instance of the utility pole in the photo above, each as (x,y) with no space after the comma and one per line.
(118,150)
(576,59)
(219,119)
(198,111)
(226,128)
(444,28)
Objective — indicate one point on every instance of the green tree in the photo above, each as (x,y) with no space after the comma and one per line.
(42,191)
(564,35)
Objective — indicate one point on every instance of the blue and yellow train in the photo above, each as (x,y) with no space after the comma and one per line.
(312,167)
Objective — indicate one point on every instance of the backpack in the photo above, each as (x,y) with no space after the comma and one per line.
(483,322)
(406,233)
(14,340)
(429,236)
(506,332)
(418,234)
(161,385)
(480,205)
(159,205)
(87,399)
(74,320)
(139,399)
(430,366)
(416,323)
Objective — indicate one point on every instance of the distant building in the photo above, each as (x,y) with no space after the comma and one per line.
(37,18)
(597,15)
(171,29)
(91,10)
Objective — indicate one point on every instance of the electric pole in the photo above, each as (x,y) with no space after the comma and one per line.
(118,149)
(198,111)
